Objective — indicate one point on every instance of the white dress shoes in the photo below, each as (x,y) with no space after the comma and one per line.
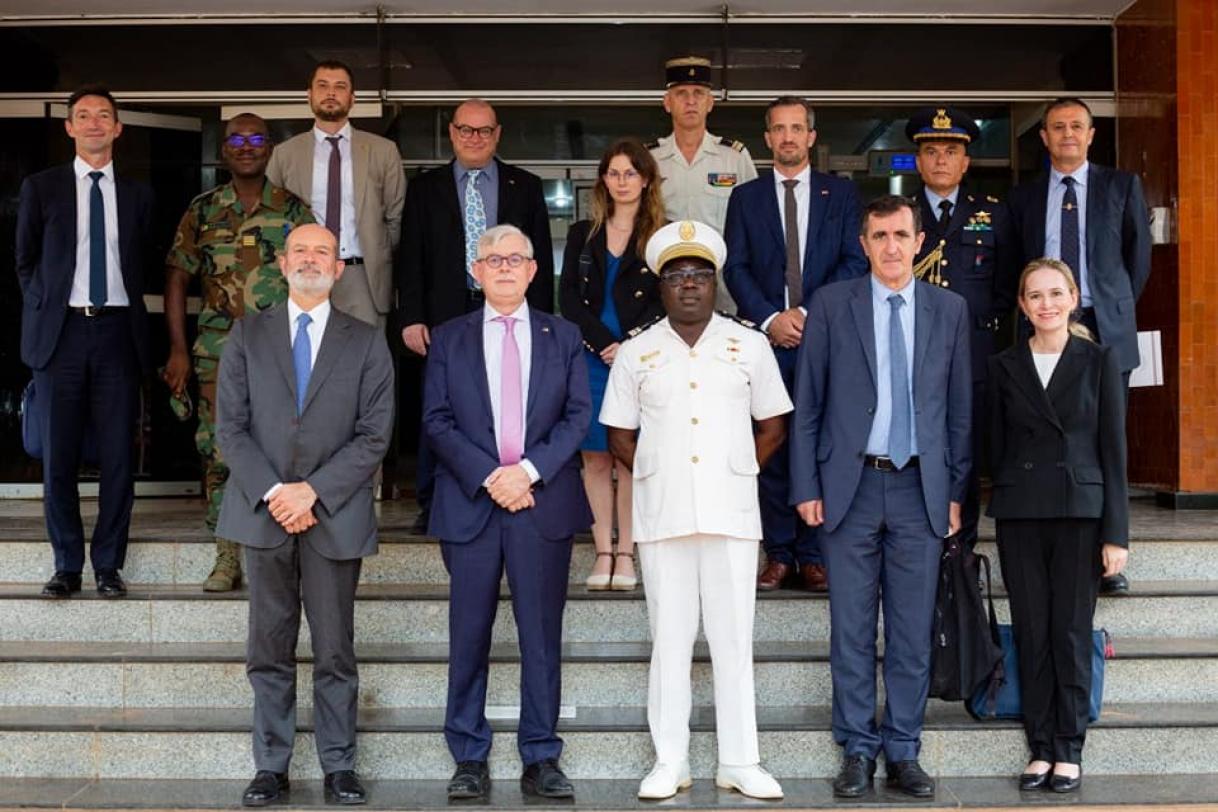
(665,781)
(752,781)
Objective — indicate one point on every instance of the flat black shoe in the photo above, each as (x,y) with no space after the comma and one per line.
(267,787)
(544,779)
(343,787)
(1063,784)
(855,777)
(61,585)
(909,777)
(111,585)
(1114,584)
(471,780)
(1031,781)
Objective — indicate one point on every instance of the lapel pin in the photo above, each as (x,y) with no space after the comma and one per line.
(545,329)
(824,192)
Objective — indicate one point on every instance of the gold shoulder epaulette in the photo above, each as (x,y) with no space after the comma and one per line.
(991,199)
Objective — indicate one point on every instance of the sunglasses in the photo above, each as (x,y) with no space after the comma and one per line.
(237,140)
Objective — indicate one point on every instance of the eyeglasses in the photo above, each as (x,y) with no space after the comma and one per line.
(467,132)
(628,176)
(676,279)
(497,261)
(237,140)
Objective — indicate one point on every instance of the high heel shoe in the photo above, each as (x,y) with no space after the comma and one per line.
(622,583)
(599,583)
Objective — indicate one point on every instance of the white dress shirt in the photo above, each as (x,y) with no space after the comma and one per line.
(492,349)
(803,200)
(349,238)
(116,292)
(881,311)
(1053,225)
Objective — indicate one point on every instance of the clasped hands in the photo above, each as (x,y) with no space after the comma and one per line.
(511,488)
(292,506)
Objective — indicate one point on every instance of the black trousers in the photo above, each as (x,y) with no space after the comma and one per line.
(1051,568)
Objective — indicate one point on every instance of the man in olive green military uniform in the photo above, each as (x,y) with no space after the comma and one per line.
(700,170)
(229,238)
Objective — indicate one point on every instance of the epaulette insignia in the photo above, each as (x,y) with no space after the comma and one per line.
(972,199)
(991,199)
(647,356)
(642,327)
(738,319)
(736,145)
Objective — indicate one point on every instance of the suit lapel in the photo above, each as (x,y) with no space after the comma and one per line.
(333,342)
(448,190)
(68,196)
(124,195)
(1066,375)
(1023,372)
(924,323)
(818,202)
(1035,240)
(281,345)
(864,321)
(300,164)
(359,168)
(472,349)
(771,213)
(540,354)
(1097,181)
(507,194)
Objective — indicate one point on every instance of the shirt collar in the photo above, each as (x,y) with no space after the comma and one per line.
(320,135)
(710,143)
(320,313)
(227,196)
(934,199)
(83,169)
(713,326)
(804,176)
(1079,175)
(490,171)
(880,292)
(521,314)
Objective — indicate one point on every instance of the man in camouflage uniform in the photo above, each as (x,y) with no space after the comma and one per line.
(229,238)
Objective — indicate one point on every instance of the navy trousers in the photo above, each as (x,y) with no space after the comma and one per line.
(92,379)
(537,573)
(785,537)
(885,551)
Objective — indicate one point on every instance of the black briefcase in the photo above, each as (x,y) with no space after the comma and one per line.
(967,651)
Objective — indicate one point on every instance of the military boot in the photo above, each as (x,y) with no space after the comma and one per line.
(226,575)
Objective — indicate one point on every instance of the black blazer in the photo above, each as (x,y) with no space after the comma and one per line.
(581,288)
(1060,452)
(431,257)
(46,257)
(1118,248)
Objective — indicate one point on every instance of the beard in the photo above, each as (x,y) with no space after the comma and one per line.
(795,158)
(309,284)
(335,113)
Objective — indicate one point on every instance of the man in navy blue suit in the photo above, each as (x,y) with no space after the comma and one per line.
(82,244)
(505,407)
(788,232)
(880,458)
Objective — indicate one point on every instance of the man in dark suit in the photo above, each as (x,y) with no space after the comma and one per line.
(447,209)
(789,232)
(1094,219)
(969,248)
(505,407)
(880,458)
(82,246)
(305,407)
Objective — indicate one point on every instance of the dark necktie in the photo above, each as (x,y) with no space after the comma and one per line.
(899,430)
(334,190)
(793,275)
(97,243)
(302,359)
(1069,229)
(945,215)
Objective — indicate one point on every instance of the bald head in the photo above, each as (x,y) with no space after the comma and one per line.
(475,133)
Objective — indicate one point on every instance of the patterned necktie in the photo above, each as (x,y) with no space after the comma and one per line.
(97,243)
(511,406)
(1069,228)
(334,190)
(793,275)
(475,225)
(899,430)
(302,359)
(945,215)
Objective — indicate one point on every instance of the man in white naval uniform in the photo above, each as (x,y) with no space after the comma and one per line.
(692,384)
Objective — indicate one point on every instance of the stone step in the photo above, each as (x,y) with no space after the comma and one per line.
(50,742)
(1129,792)
(396,613)
(413,675)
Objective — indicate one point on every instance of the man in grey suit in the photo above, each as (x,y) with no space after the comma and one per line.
(880,456)
(355,184)
(305,407)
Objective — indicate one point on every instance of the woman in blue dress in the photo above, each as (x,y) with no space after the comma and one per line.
(607,290)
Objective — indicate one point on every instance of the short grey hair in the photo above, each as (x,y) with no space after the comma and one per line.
(497,234)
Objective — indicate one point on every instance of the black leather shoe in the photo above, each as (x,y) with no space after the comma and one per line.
(1063,784)
(343,787)
(267,787)
(61,585)
(909,777)
(545,779)
(1114,584)
(111,585)
(1031,781)
(471,780)
(855,777)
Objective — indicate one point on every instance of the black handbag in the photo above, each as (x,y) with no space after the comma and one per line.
(967,653)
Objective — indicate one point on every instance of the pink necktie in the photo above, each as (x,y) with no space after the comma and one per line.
(511,409)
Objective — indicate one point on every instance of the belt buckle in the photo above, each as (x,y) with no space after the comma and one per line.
(90,311)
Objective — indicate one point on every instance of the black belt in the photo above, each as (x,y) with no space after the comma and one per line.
(885,464)
(353,261)
(89,311)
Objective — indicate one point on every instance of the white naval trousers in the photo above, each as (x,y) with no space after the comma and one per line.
(719,574)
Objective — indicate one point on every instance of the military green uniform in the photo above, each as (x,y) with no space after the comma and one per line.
(234,254)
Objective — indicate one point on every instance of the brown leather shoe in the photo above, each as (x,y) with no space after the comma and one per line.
(773,575)
(814,577)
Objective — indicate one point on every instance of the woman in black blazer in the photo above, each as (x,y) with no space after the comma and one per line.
(606,289)
(1061,506)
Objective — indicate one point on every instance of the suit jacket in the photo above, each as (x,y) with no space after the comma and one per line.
(1060,452)
(581,287)
(835,398)
(1118,249)
(978,262)
(335,444)
(431,265)
(460,426)
(755,271)
(46,257)
(380,189)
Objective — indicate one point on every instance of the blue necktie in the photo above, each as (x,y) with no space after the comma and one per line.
(475,225)
(97,243)
(899,429)
(1069,229)
(302,359)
